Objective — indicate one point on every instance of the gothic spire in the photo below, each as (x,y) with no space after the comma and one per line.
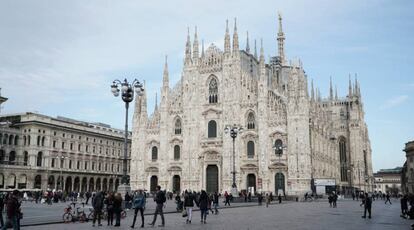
(188,48)
(235,38)
(350,87)
(156,102)
(255,49)
(165,78)
(336,93)
(330,89)
(280,41)
(202,48)
(144,102)
(312,91)
(261,51)
(227,38)
(356,85)
(195,45)
(247,43)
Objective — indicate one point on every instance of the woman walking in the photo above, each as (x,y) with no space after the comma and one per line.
(188,205)
(138,202)
(203,204)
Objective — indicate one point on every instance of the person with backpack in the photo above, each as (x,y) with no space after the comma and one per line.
(13,211)
(367,206)
(188,205)
(159,199)
(138,203)
(118,209)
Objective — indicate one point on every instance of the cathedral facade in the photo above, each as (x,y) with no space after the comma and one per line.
(182,144)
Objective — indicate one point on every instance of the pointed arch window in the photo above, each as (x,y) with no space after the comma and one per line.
(250,149)
(251,121)
(343,159)
(177,126)
(177,152)
(212,129)
(212,91)
(154,153)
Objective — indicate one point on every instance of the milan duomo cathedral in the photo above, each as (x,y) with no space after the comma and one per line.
(183,145)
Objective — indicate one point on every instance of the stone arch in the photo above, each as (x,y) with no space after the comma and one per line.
(12,158)
(43,141)
(251,120)
(22,183)
(177,152)
(51,182)
(212,179)
(105,184)
(39,159)
(5,138)
(111,184)
(68,184)
(11,139)
(250,149)
(37,182)
(116,184)
(91,184)
(11,181)
(251,181)
(76,184)
(343,161)
(2,156)
(154,153)
(176,181)
(280,183)
(153,183)
(25,158)
(177,126)
(16,140)
(84,184)
(212,129)
(98,184)
(212,89)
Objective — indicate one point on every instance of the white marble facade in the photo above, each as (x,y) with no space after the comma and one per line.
(182,144)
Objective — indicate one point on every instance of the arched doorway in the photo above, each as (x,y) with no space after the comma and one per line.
(68,184)
(251,182)
(76,184)
(111,185)
(38,182)
(51,182)
(84,184)
(98,184)
(105,185)
(176,184)
(280,183)
(59,184)
(116,184)
(154,183)
(22,181)
(212,179)
(91,185)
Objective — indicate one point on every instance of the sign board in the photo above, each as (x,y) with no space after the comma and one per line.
(325,182)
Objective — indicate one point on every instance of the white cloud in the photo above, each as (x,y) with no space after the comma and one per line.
(393,102)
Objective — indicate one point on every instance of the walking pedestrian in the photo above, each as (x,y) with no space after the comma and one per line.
(259,198)
(188,205)
(388,198)
(118,209)
(97,205)
(138,202)
(13,211)
(203,204)
(88,196)
(110,208)
(216,202)
(267,200)
(127,200)
(330,199)
(159,200)
(227,198)
(279,198)
(367,206)
(334,199)
(404,206)
(1,210)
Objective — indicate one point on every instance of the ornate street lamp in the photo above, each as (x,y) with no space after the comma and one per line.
(127,94)
(234,130)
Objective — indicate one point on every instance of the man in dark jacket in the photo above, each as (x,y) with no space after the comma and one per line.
(215,202)
(88,196)
(13,211)
(160,200)
(367,206)
(203,204)
(97,204)
(1,210)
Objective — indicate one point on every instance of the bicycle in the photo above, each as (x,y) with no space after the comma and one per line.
(71,215)
(91,215)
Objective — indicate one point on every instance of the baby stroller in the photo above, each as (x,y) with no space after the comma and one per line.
(179,206)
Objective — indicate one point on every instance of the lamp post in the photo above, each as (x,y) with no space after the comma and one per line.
(234,130)
(60,158)
(127,94)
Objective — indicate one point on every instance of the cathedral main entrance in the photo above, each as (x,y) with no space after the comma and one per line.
(212,179)
(251,182)
(153,184)
(280,183)
(176,184)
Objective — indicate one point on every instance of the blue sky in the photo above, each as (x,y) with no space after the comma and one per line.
(60,57)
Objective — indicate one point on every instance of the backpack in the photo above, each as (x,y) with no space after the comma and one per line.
(163,198)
